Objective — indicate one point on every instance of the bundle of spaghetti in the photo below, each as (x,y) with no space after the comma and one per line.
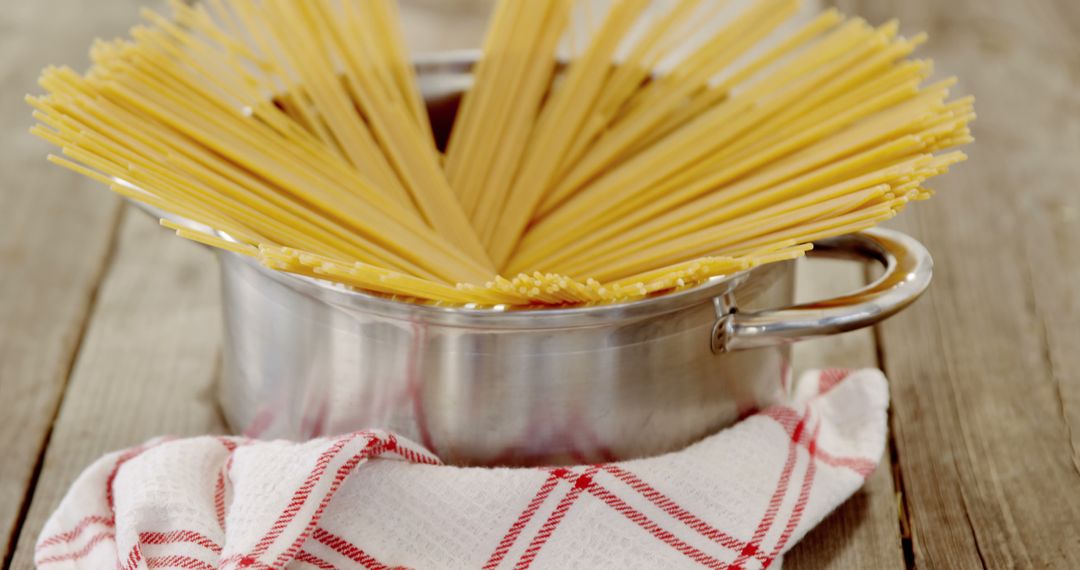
(185,119)
(662,149)
(796,121)
(498,115)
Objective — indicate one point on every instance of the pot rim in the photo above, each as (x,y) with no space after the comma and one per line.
(348,298)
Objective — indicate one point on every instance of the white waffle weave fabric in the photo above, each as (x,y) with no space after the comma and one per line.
(736,500)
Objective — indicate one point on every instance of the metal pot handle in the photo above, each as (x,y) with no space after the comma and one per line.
(908,268)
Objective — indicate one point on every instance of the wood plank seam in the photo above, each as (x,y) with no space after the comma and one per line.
(1048,359)
(69,364)
(903,510)
(971,524)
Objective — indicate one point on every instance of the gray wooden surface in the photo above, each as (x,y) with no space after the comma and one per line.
(985,370)
(109,332)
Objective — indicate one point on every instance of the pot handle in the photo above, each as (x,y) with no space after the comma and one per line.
(908,268)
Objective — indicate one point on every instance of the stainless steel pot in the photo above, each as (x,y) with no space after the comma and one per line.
(305,358)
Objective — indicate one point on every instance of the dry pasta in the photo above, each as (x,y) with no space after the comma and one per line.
(660,150)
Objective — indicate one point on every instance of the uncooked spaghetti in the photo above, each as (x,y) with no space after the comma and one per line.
(677,142)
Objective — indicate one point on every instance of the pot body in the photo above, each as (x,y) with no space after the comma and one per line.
(483,387)
(305,358)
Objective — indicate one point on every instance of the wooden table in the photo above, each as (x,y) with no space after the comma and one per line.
(109,330)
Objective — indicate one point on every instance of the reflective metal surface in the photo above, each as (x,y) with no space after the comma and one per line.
(483,387)
(908,269)
(305,358)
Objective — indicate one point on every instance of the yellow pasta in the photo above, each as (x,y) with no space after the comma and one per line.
(665,149)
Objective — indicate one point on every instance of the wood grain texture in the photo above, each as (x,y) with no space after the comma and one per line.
(865,531)
(984,370)
(146,367)
(986,398)
(56,231)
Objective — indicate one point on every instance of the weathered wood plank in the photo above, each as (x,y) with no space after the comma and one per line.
(865,531)
(56,232)
(984,369)
(436,25)
(1052,211)
(146,367)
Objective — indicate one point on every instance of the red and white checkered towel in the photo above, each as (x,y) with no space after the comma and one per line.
(736,500)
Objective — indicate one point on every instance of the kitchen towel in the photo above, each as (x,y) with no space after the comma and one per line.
(736,500)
